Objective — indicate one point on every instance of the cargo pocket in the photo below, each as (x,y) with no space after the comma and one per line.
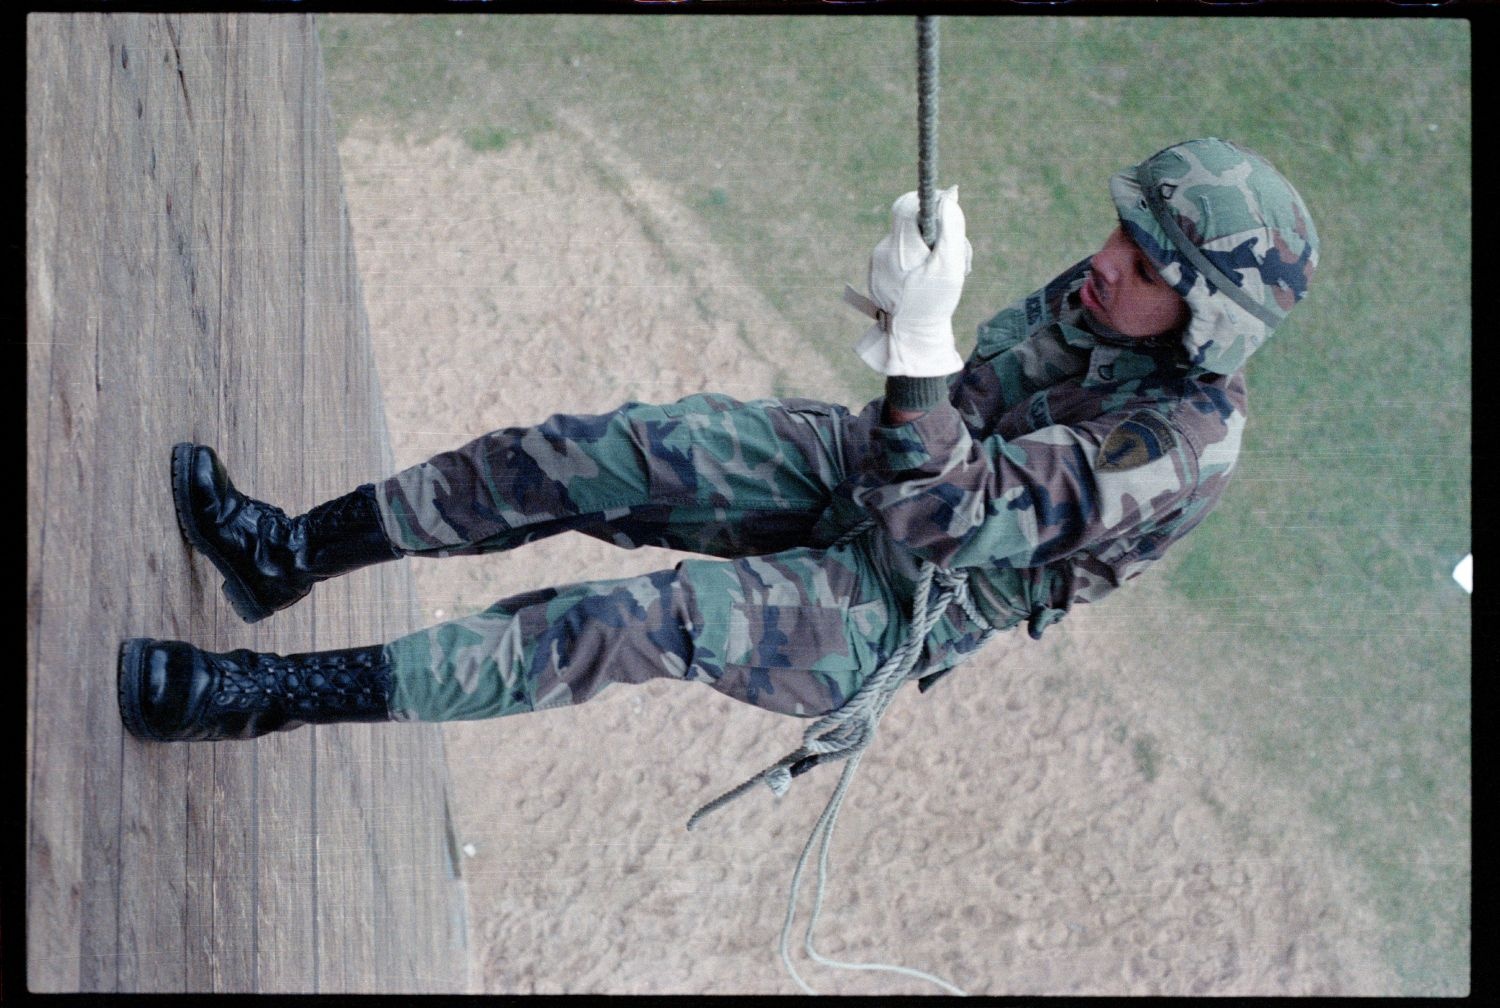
(798,660)
(764,642)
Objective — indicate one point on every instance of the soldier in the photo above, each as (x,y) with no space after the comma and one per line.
(1095,423)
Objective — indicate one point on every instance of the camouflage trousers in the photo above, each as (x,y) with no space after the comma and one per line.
(777,619)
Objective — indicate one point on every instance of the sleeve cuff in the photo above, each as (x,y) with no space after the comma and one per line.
(915,394)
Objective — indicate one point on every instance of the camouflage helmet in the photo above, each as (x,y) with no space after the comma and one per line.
(1228,233)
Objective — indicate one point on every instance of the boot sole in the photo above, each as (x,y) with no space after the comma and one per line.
(128,678)
(240,596)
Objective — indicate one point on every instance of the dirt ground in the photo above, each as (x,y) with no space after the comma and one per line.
(1037,825)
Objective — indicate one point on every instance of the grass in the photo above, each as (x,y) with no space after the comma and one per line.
(486,138)
(1339,658)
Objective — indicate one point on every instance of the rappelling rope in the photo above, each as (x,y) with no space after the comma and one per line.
(845,734)
(927,122)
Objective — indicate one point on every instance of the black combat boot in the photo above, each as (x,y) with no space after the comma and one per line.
(269,560)
(172,691)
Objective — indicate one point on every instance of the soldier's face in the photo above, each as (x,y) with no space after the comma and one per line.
(1125,292)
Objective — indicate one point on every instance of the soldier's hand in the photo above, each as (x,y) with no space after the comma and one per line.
(916,290)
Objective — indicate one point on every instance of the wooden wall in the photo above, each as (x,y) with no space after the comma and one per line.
(191,278)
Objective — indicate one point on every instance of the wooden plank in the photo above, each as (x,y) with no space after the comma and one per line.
(211,780)
(193,608)
(108,299)
(199,951)
(149,320)
(115,925)
(273,69)
(187,130)
(63,75)
(201,43)
(251,354)
(41,320)
(347,857)
(232,891)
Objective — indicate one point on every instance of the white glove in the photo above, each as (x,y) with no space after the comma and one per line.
(913,292)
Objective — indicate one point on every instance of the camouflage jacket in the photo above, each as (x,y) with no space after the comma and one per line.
(1066,460)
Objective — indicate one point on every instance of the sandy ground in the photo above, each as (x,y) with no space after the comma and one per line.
(1035,826)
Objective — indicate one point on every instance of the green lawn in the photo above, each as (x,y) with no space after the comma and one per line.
(1342,661)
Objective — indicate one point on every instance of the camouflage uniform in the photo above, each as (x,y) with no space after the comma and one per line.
(781,621)
(1066,460)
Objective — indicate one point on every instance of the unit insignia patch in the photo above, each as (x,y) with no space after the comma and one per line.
(1142,438)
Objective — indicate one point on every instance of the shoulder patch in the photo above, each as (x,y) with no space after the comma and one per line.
(1141,438)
